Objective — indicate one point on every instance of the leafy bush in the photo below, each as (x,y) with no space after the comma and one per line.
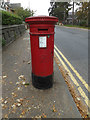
(2,42)
(10,19)
(83,23)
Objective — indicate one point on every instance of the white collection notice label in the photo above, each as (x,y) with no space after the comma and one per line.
(42,41)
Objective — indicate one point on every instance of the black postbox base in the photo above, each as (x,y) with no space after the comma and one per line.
(42,82)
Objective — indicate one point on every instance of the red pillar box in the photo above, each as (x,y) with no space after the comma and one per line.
(42,50)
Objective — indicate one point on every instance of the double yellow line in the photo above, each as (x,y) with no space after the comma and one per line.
(72,77)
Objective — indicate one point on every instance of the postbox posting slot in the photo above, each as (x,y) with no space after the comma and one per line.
(40,29)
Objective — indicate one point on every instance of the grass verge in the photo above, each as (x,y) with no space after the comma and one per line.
(77,26)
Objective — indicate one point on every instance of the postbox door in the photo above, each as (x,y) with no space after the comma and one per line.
(42,55)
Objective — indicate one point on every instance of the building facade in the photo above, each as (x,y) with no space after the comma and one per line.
(10,7)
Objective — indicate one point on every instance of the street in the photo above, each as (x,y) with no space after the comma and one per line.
(72,46)
(44,59)
(20,99)
(71,49)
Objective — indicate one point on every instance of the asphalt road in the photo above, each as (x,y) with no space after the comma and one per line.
(73,43)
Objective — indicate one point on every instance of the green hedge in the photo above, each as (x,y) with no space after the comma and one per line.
(2,41)
(10,19)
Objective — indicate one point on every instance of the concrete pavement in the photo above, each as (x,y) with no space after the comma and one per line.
(21,99)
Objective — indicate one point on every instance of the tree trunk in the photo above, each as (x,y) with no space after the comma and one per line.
(73,14)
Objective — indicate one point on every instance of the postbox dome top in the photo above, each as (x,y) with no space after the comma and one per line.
(41,19)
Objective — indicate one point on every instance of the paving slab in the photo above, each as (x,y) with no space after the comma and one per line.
(20,98)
